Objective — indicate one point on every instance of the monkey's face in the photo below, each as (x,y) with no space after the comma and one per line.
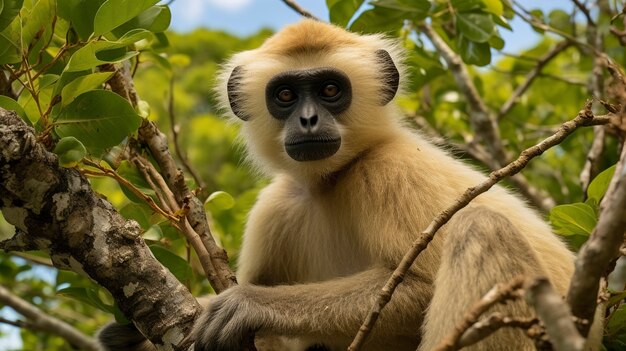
(313,98)
(309,102)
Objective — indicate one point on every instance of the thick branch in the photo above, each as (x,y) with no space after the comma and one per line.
(601,248)
(40,320)
(585,118)
(55,210)
(555,315)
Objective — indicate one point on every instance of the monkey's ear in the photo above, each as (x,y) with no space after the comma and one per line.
(390,76)
(232,89)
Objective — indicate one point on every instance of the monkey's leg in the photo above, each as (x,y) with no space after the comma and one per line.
(482,248)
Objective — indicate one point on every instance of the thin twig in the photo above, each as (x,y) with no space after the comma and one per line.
(498,294)
(491,324)
(483,121)
(596,84)
(33,259)
(585,11)
(584,118)
(156,141)
(175,129)
(16,323)
(530,77)
(300,10)
(150,173)
(525,15)
(128,185)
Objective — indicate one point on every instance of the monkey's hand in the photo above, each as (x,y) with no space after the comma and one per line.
(231,319)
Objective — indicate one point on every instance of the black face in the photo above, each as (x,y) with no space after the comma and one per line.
(309,101)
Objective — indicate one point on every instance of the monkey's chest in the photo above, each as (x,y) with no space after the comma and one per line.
(323,245)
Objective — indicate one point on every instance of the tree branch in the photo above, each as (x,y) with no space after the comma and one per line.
(492,323)
(482,120)
(175,129)
(149,134)
(40,320)
(55,210)
(498,294)
(584,118)
(555,314)
(600,249)
(530,77)
(585,11)
(293,5)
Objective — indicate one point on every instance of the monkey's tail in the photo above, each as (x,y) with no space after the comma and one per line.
(118,337)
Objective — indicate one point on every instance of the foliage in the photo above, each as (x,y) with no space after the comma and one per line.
(57,57)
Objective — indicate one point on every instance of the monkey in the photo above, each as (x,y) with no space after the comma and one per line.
(351,188)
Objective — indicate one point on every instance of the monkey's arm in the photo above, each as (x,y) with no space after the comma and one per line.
(330,309)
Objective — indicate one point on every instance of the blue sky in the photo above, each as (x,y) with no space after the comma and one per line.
(245,17)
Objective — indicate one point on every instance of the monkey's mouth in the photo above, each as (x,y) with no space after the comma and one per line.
(312,149)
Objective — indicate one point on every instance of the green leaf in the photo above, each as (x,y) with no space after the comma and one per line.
(156,19)
(10,39)
(502,22)
(98,118)
(560,20)
(9,9)
(83,84)
(600,184)
(477,27)
(176,264)
(494,6)
(496,42)
(136,210)
(81,14)
(38,23)
(9,104)
(473,53)
(116,12)
(153,233)
(220,200)
(615,330)
(468,5)
(86,295)
(378,19)
(416,7)
(30,105)
(578,218)
(131,173)
(341,11)
(70,151)
(97,53)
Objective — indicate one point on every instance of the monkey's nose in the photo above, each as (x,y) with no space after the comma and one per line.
(309,123)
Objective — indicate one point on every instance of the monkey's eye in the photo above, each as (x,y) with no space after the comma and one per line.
(330,91)
(286,95)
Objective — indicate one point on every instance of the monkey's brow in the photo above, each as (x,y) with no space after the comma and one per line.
(308,74)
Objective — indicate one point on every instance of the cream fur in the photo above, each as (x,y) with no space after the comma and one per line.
(325,235)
